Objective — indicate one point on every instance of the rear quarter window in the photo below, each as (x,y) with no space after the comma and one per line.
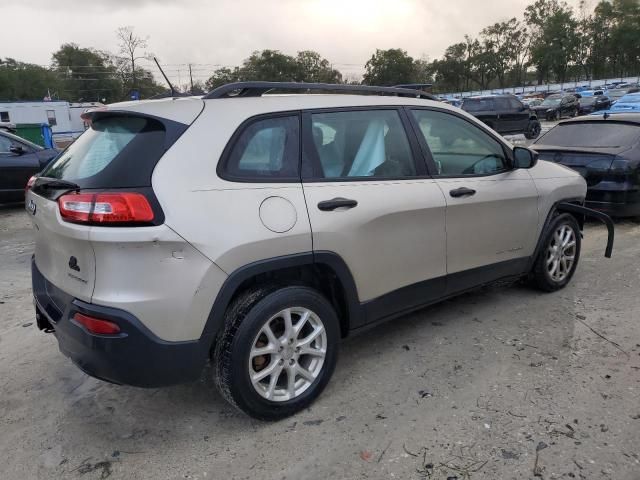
(264,150)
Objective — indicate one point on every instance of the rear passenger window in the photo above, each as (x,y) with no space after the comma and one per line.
(361,144)
(266,149)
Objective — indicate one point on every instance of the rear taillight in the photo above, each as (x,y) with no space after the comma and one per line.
(106,208)
(30,183)
(97,326)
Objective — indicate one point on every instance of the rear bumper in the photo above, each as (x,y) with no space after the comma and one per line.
(133,357)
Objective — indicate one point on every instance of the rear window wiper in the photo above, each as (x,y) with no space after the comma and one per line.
(56,184)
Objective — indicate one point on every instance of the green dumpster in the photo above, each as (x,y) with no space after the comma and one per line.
(31,132)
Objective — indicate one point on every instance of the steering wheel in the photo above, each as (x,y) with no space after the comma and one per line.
(471,170)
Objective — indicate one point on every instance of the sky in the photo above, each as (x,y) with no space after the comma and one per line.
(213,33)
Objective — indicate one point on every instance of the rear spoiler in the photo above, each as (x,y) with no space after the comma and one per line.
(606,219)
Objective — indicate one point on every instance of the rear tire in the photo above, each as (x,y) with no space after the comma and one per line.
(558,257)
(265,364)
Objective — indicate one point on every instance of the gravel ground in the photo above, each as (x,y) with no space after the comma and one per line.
(502,383)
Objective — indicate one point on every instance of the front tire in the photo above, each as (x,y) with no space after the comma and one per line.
(277,352)
(558,258)
(533,130)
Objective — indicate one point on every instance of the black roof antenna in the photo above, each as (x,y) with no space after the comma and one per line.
(173,90)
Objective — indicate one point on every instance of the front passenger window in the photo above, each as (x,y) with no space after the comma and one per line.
(458,147)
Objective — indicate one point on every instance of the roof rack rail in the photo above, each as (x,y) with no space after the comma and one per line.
(414,86)
(257,89)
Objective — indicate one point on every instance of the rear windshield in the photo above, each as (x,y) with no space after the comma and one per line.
(477,104)
(597,134)
(551,101)
(116,151)
(631,98)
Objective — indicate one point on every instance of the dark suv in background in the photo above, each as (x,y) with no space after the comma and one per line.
(558,105)
(504,113)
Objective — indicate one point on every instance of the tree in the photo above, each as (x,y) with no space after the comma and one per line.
(86,74)
(554,42)
(390,67)
(130,47)
(274,66)
(224,75)
(453,69)
(312,67)
(270,65)
(25,81)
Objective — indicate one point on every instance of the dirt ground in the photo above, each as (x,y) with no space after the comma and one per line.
(502,383)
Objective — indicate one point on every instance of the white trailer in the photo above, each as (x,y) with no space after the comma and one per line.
(63,117)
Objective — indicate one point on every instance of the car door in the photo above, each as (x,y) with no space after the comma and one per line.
(371,202)
(505,115)
(492,212)
(15,168)
(520,115)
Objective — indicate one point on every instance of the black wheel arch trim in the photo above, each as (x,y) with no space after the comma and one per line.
(230,287)
(575,206)
(588,212)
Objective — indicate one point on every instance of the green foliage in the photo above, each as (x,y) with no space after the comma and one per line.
(274,66)
(390,67)
(552,43)
(24,81)
(554,40)
(80,74)
(86,74)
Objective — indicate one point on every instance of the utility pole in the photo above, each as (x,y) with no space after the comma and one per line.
(191,79)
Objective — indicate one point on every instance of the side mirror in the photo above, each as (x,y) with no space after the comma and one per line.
(524,158)
(17,149)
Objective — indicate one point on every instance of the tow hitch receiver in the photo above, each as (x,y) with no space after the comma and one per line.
(43,322)
(588,212)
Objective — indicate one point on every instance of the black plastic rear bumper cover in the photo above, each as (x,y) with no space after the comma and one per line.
(133,357)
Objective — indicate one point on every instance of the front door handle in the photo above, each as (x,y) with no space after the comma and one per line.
(339,202)
(462,192)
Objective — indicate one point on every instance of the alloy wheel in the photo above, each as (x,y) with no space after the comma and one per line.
(561,253)
(287,354)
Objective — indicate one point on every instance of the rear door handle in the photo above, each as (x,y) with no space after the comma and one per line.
(462,192)
(339,202)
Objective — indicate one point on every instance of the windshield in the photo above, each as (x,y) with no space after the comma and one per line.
(588,100)
(592,135)
(551,101)
(18,139)
(477,104)
(616,93)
